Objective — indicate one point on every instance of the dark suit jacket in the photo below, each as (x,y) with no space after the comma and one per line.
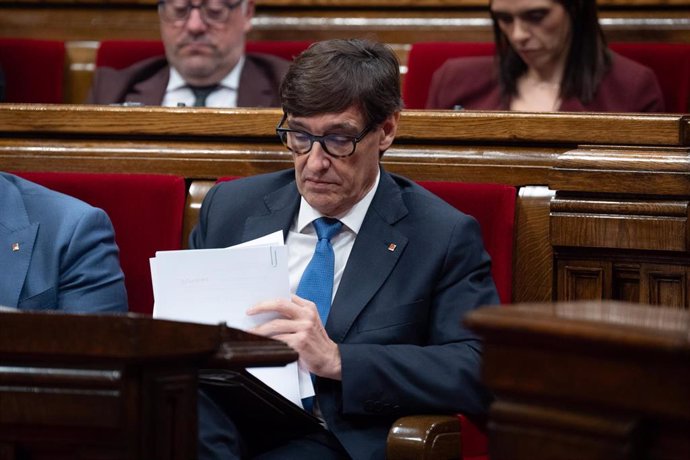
(145,82)
(65,258)
(472,83)
(396,315)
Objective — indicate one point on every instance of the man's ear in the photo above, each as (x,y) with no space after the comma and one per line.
(248,15)
(388,130)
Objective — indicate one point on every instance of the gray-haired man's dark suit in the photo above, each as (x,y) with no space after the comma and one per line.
(416,268)
(145,82)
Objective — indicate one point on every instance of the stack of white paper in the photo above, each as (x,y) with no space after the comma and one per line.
(218,285)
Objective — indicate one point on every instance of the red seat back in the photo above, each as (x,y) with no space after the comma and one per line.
(671,64)
(123,53)
(425,58)
(34,70)
(669,61)
(493,205)
(146,211)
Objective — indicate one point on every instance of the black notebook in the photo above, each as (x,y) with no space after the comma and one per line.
(264,417)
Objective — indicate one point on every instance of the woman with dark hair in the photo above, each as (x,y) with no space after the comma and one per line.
(551,55)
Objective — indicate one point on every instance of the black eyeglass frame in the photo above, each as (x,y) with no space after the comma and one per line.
(201,7)
(320,139)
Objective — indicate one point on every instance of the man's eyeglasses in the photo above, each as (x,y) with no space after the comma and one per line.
(336,145)
(213,12)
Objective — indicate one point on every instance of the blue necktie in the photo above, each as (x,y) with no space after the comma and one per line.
(317,280)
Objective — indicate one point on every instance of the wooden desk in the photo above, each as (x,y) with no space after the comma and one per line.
(603,202)
(111,386)
(587,380)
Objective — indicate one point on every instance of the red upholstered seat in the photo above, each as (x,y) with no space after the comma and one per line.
(123,53)
(670,63)
(119,54)
(146,211)
(34,70)
(423,60)
(493,205)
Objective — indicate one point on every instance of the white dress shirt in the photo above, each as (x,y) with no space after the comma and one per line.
(301,240)
(177,91)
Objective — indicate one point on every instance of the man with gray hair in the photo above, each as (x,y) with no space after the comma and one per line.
(381,270)
(204,65)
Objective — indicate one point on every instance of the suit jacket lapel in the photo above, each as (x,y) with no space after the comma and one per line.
(375,253)
(282,206)
(255,90)
(151,91)
(16,232)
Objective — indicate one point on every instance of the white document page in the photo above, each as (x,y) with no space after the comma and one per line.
(218,285)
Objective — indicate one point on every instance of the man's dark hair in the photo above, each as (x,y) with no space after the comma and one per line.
(333,75)
(588,58)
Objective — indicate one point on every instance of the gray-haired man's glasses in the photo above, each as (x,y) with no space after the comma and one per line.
(213,12)
(336,145)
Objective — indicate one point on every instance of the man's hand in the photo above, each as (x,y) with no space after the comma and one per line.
(300,327)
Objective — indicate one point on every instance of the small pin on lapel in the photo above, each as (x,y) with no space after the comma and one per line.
(15,247)
(392,246)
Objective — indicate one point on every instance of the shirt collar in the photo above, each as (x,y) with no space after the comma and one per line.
(231,80)
(352,218)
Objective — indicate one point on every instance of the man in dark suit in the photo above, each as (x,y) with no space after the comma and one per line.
(406,266)
(204,64)
(56,252)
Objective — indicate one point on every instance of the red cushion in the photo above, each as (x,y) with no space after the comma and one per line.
(493,205)
(474,441)
(123,53)
(34,70)
(146,211)
(425,58)
(671,64)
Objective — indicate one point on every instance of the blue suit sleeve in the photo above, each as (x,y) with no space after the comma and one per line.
(91,280)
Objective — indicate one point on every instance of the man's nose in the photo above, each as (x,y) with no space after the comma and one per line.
(195,21)
(317,157)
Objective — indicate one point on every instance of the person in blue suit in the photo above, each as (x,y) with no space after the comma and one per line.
(56,252)
(407,266)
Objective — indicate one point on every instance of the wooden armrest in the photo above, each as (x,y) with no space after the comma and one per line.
(424,437)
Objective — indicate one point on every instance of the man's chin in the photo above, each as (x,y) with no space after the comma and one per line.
(196,70)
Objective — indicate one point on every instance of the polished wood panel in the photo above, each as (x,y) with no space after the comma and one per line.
(618,224)
(587,380)
(533,257)
(111,386)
